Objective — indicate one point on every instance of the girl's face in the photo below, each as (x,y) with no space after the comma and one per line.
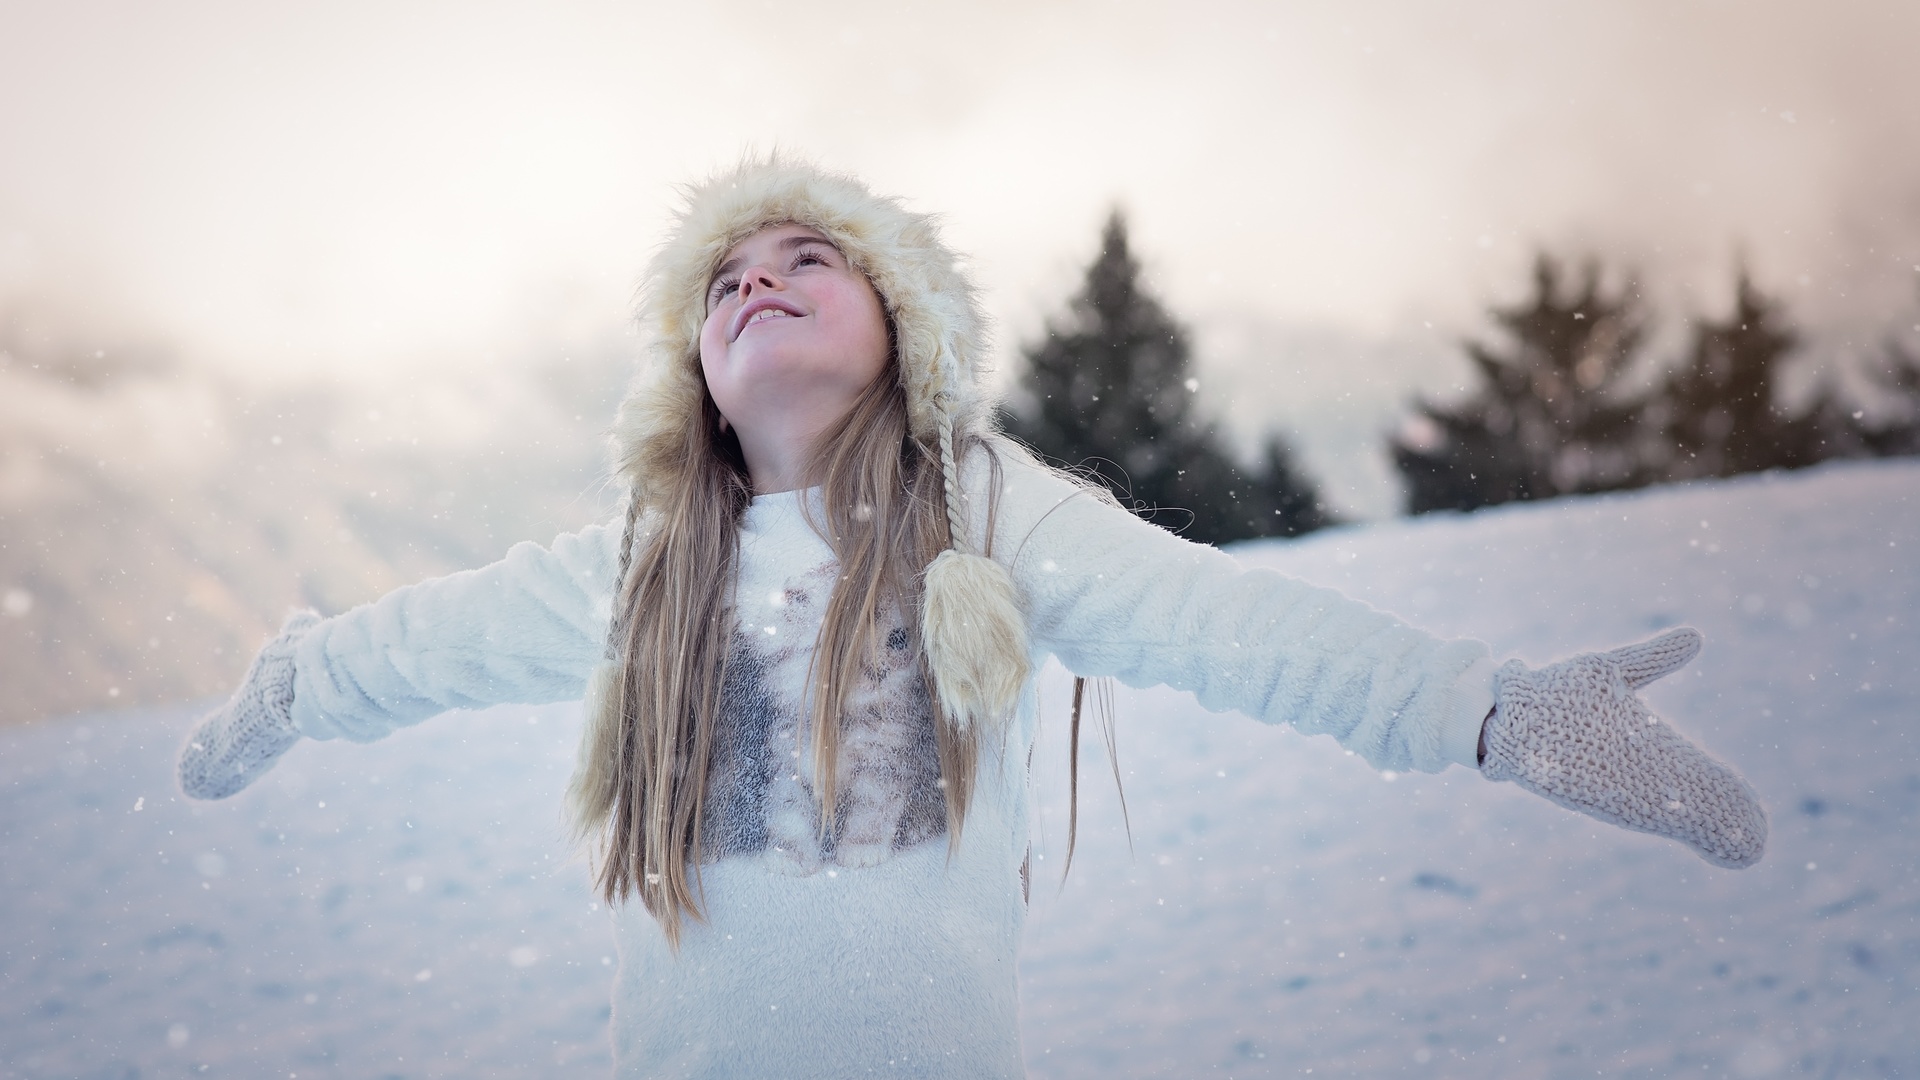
(793,335)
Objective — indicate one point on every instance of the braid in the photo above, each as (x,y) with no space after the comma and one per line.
(617,625)
(950,481)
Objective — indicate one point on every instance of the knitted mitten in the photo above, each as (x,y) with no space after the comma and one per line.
(240,740)
(1576,733)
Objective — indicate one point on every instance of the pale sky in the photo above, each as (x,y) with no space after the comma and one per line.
(1329,194)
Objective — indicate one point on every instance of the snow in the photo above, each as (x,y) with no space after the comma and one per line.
(409,909)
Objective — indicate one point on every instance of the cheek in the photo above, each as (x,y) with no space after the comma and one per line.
(713,339)
(713,352)
(870,334)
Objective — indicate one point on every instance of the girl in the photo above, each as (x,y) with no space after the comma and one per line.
(807,655)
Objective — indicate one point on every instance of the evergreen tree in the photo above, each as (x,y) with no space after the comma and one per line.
(1721,415)
(1297,506)
(1111,393)
(1898,378)
(1722,409)
(1550,417)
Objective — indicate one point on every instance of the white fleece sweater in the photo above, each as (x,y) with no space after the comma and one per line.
(874,951)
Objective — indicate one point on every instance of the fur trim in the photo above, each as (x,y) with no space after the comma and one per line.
(975,637)
(934,307)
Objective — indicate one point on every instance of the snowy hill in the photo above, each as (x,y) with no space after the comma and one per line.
(407,910)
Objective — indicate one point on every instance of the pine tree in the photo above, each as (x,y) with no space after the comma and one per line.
(1297,506)
(1723,413)
(1550,418)
(1111,393)
(1898,378)
(1722,418)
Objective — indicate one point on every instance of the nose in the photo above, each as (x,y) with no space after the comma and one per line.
(757,278)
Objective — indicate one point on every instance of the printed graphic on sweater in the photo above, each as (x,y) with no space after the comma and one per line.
(761,795)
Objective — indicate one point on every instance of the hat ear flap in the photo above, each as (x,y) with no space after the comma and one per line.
(971,626)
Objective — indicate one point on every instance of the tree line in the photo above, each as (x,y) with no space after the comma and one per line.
(1556,411)
(1562,406)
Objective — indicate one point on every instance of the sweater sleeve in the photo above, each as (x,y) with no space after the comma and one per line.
(1109,594)
(527,629)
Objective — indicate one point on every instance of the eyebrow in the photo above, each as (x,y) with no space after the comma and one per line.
(788,243)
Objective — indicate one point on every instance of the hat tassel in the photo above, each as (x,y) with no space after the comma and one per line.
(972,627)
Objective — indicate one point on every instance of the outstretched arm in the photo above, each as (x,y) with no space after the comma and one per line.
(528,629)
(1110,594)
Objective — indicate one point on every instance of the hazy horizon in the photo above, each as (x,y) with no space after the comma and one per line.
(1330,195)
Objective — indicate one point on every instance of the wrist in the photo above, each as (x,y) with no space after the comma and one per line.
(1462,717)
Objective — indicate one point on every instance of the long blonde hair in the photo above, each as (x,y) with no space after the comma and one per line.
(885,518)
(894,514)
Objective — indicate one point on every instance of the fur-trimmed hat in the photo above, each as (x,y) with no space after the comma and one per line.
(971,624)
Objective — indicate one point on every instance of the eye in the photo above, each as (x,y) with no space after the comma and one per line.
(813,256)
(722,289)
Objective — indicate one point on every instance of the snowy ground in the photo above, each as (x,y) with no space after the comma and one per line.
(405,910)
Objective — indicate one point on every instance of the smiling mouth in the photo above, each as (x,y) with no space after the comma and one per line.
(768,310)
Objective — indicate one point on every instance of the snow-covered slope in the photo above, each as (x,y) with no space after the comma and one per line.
(407,909)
